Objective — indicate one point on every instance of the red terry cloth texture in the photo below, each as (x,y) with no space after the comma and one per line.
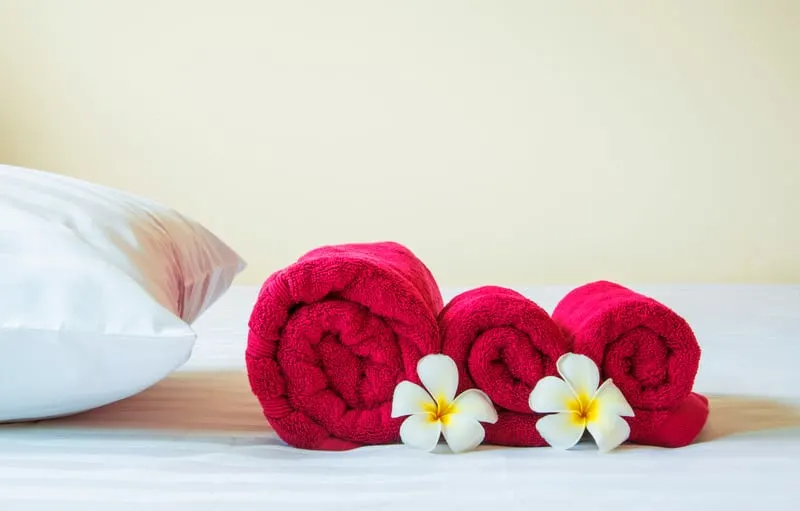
(333,334)
(503,343)
(648,350)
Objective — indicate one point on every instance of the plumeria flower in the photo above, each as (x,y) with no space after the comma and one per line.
(435,409)
(578,405)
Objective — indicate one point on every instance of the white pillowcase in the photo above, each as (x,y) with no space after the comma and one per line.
(97,292)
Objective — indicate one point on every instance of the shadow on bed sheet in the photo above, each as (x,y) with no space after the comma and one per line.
(198,402)
(221,402)
(731,415)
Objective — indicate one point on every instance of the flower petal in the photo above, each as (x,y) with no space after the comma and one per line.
(580,372)
(476,404)
(561,430)
(420,432)
(609,400)
(439,374)
(409,398)
(462,432)
(609,431)
(550,395)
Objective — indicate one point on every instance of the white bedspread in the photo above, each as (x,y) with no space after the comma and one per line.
(197,441)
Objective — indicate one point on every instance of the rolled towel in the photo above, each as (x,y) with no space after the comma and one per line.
(333,334)
(648,350)
(503,343)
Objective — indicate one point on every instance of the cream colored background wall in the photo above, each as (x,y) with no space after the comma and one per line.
(504,141)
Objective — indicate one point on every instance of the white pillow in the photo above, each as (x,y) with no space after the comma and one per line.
(97,292)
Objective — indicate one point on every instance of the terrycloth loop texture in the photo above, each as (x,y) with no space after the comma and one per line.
(648,350)
(333,334)
(502,343)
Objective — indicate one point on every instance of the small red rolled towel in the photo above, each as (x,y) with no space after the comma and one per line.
(333,334)
(648,350)
(503,343)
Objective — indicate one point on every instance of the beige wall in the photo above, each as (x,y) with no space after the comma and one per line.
(504,141)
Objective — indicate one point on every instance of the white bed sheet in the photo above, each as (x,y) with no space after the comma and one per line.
(198,441)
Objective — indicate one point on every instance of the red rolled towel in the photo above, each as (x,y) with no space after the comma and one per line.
(333,334)
(503,343)
(648,350)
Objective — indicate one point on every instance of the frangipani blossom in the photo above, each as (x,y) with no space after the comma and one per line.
(434,410)
(579,405)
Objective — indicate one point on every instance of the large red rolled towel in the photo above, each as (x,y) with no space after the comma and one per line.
(503,343)
(333,334)
(648,350)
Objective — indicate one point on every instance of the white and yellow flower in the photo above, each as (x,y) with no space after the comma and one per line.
(435,410)
(579,405)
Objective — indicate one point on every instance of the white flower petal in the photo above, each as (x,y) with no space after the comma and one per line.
(421,432)
(561,430)
(580,372)
(462,432)
(609,400)
(439,374)
(550,395)
(409,398)
(476,404)
(608,431)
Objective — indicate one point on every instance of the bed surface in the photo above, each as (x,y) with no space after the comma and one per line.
(198,440)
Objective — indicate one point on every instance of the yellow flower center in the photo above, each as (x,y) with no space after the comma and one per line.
(584,409)
(440,411)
